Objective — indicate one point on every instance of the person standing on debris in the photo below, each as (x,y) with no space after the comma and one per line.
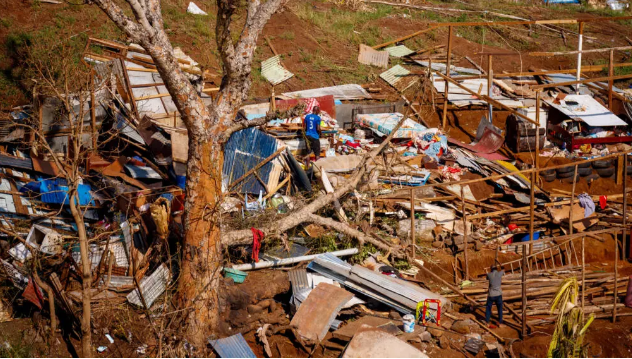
(311,126)
(495,295)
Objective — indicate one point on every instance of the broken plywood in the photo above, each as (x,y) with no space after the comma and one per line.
(370,56)
(347,332)
(318,311)
(561,214)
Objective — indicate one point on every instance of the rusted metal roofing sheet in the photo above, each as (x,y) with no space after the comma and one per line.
(273,71)
(489,143)
(232,347)
(319,310)
(399,51)
(370,56)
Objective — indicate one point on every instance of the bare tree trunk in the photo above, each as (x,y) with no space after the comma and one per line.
(86,273)
(202,256)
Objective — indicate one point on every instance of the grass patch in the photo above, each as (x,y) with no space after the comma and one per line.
(348,25)
(15,350)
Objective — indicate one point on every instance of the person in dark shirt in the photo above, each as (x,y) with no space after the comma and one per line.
(494,295)
(311,126)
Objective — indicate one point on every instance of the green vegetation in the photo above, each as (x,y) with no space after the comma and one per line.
(15,350)
(349,25)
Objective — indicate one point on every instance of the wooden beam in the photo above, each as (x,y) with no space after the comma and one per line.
(579,52)
(417,33)
(568,83)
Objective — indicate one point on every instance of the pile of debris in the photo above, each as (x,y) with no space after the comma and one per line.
(426,194)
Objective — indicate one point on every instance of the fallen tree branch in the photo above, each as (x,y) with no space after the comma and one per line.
(303,214)
(352,232)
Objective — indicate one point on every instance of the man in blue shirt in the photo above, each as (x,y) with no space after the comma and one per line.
(311,126)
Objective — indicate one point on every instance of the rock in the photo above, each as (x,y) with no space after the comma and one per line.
(462,326)
(437,244)
(394,315)
(425,337)
(444,343)
(253,309)
(478,245)
(436,333)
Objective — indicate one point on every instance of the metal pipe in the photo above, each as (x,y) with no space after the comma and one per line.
(286,261)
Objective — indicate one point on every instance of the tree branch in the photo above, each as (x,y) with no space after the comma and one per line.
(244,237)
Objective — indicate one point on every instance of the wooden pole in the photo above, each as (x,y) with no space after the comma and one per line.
(616,244)
(616,274)
(412,221)
(610,82)
(524,256)
(583,275)
(490,82)
(570,211)
(465,241)
(625,206)
(93,115)
(537,134)
(444,115)
(579,53)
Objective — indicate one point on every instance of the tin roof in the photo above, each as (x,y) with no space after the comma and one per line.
(232,347)
(586,109)
(273,71)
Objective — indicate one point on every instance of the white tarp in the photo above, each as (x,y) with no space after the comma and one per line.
(194,9)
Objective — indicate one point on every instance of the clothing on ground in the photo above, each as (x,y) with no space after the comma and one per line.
(495,279)
(312,121)
(587,204)
(499,306)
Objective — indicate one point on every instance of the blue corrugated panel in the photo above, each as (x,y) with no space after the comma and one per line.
(232,347)
(56,191)
(243,151)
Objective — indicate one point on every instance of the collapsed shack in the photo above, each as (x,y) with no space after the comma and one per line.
(376,216)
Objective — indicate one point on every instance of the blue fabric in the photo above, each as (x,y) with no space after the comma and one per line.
(312,121)
(499,306)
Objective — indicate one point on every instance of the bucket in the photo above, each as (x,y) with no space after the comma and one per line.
(409,323)
(237,275)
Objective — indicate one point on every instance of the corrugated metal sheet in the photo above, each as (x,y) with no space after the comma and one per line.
(399,51)
(243,151)
(119,281)
(232,347)
(390,291)
(454,70)
(298,279)
(142,172)
(273,71)
(18,278)
(318,311)
(125,129)
(398,77)
(588,110)
(370,56)
(152,287)
(16,162)
(340,92)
